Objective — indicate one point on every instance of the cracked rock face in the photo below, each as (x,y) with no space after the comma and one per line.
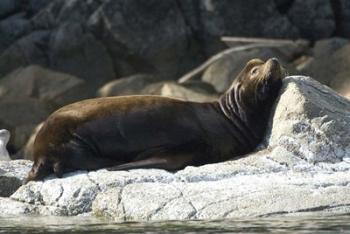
(312,121)
(303,169)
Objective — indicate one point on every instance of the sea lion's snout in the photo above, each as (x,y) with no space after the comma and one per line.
(265,78)
(273,70)
(274,61)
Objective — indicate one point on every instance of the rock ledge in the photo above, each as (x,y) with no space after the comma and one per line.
(302,169)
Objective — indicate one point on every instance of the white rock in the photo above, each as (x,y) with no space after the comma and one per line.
(304,170)
(311,121)
(4,139)
(12,173)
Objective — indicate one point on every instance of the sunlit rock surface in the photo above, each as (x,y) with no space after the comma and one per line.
(12,173)
(303,169)
(4,138)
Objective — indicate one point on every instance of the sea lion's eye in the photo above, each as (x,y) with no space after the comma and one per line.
(254,71)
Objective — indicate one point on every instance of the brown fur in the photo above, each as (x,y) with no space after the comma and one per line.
(157,132)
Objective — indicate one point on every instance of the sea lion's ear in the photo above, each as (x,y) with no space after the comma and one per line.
(252,68)
(255,61)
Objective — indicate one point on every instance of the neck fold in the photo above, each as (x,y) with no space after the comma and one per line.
(232,107)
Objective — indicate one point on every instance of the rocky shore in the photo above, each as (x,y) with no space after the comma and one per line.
(56,52)
(302,168)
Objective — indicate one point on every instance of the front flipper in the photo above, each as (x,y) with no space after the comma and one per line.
(167,161)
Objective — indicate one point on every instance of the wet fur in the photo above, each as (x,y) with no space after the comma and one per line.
(123,133)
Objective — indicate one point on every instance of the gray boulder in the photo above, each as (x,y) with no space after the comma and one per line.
(325,47)
(311,121)
(126,86)
(174,90)
(222,72)
(340,65)
(28,95)
(33,81)
(20,116)
(27,150)
(4,139)
(200,86)
(302,168)
(12,174)
(330,64)
(320,66)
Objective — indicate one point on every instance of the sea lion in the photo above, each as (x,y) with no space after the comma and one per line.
(129,132)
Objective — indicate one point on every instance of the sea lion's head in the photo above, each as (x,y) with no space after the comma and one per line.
(259,82)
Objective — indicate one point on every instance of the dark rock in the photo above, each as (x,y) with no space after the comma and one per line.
(69,49)
(344,18)
(9,6)
(210,20)
(314,18)
(34,6)
(60,12)
(76,51)
(151,36)
(31,49)
(283,5)
(13,28)
(235,18)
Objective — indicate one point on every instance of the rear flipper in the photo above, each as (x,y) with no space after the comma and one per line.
(39,171)
(163,161)
(42,169)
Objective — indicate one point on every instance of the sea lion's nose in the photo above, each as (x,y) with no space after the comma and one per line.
(274,60)
(273,69)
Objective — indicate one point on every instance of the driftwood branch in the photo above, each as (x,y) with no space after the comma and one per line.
(245,40)
(220,55)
